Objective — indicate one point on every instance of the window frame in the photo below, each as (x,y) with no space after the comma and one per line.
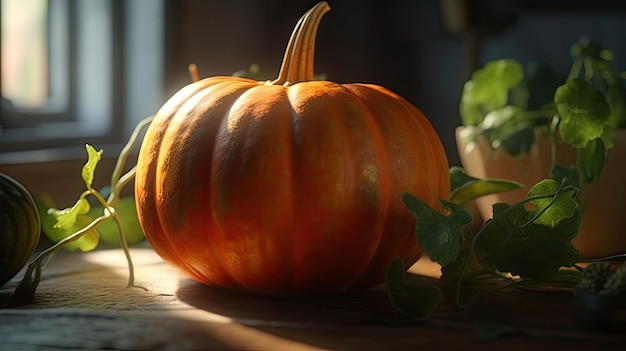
(48,134)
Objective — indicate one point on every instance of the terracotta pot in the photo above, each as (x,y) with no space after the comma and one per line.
(603,228)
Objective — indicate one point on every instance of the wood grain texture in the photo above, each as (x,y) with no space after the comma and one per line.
(83,304)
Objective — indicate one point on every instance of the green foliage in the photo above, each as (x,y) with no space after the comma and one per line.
(530,240)
(569,175)
(532,244)
(75,218)
(106,233)
(488,89)
(89,169)
(591,159)
(67,217)
(73,228)
(56,233)
(535,243)
(439,235)
(466,188)
(504,105)
(413,297)
(584,112)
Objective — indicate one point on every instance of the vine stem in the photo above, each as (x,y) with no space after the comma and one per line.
(117,180)
(193,72)
(27,287)
(621,256)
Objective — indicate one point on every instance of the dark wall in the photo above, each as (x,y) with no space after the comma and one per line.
(357,40)
(403,45)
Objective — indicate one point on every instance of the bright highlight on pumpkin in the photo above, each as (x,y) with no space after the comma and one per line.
(287,187)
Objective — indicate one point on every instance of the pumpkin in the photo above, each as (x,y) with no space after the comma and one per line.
(19,227)
(289,187)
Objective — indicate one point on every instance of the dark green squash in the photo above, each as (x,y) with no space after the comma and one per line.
(20,227)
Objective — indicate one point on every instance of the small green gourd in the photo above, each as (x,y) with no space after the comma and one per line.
(20,227)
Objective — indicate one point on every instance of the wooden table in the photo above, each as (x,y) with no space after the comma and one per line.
(83,304)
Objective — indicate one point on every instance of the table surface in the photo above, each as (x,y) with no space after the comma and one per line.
(82,303)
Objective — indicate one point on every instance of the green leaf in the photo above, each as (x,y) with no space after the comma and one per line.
(489,89)
(584,112)
(466,266)
(616,97)
(440,236)
(515,240)
(415,297)
(466,188)
(87,242)
(563,208)
(67,217)
(497,118)
(89,168)
(590,160)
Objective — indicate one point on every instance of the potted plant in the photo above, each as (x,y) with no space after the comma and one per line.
(530,124)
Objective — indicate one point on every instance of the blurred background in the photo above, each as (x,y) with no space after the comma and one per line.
(77,71)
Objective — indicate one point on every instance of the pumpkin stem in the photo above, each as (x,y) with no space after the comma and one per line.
(193,72)
(297,63)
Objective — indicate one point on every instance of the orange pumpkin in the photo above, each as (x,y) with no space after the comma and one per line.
(287,187)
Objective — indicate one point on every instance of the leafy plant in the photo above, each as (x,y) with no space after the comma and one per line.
(505,105)
(74,229)
(529,241)
(415,296)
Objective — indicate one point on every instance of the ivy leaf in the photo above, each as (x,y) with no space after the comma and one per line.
(466,188)
(89,168)
(414,297)
(533,249)
(440,236)
(463,265)
(552,215)
(584,112)
(488,89)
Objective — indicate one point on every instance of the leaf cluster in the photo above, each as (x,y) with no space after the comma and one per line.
(529,240)
(505,104)
(73,228)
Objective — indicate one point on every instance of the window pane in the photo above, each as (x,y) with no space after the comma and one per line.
(94,69)
(25,52)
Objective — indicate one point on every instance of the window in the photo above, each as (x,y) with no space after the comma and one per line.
(76,72)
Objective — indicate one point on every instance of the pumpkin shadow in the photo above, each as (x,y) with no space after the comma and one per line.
(363,310)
